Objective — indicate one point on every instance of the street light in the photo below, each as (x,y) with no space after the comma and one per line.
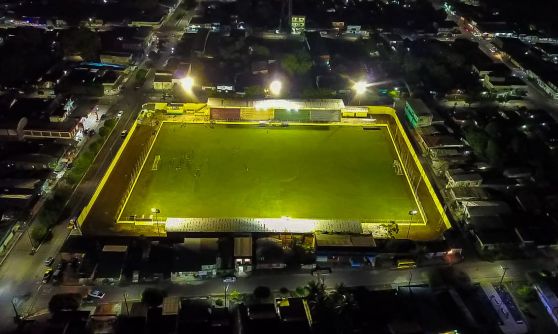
(228,281)
(505,269)
(412,213)
(187,83)
(156,211)
(275,87)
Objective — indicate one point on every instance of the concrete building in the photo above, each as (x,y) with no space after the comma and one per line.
(486,208)
(417,113)
(460,178)
(298,24)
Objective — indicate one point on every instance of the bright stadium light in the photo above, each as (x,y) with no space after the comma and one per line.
(412,213)
(187,83)
(275,87)
(360,87)
(156,211)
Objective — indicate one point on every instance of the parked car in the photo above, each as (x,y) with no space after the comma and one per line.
(96,294)
(62,265)
(57,276)
(47,275)
(49,261)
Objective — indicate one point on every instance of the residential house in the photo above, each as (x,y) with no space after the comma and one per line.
(417,113)
(460,178)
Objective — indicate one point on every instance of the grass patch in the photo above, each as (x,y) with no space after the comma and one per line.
(318,172)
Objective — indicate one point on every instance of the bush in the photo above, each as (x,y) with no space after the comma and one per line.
(526,293)
(219,302)
(300,291)
(235,295)
(153,297)
(110,123)
(104,131)
(64,302)
(95,146)
(284,290)
(262,292)
(39,232)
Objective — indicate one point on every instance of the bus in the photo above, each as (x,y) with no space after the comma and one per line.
(406,264)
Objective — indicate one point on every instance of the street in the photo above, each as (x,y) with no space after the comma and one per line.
(478,271)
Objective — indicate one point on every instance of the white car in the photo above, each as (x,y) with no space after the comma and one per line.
(120,113)
(96,294)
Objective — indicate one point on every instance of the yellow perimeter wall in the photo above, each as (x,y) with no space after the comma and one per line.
(431,208)
(418,180)
(251,114)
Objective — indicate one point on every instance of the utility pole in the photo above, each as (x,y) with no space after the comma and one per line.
(126,303)
(505,269)
(29,236)
(17,316)
(226,290)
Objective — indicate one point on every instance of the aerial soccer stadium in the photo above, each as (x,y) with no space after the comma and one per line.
(267,166)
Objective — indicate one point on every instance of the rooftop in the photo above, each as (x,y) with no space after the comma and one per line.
(419,107)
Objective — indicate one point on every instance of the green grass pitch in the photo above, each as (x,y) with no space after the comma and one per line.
(315,172)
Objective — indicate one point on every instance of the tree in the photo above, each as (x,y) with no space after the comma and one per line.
(234,295)
(318,93)
(494,129)
(260,51)
(298,63)
(262,292)
(301,291)
(391,229)
(82,42)
(477,139)
(470,98)
(526,293)
(103,131)
(502,98)
(153,297)
(110,123)
(190,4)
(64,302)
(254,91)
(332,311)
(494,153)
(39,232)
(143,5)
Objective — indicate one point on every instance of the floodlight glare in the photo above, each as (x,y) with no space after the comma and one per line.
(187,83)
(275,87)
(360,87)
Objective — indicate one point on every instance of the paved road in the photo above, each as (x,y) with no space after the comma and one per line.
(477,271)
(21,271)
(535,98)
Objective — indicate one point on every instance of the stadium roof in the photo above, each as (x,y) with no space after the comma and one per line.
(278,103)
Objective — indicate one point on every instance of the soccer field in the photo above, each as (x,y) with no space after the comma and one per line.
(228,171)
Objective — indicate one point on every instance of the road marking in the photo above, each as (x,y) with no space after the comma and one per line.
(156,162)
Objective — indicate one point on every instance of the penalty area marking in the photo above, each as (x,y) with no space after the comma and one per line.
(156,162)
